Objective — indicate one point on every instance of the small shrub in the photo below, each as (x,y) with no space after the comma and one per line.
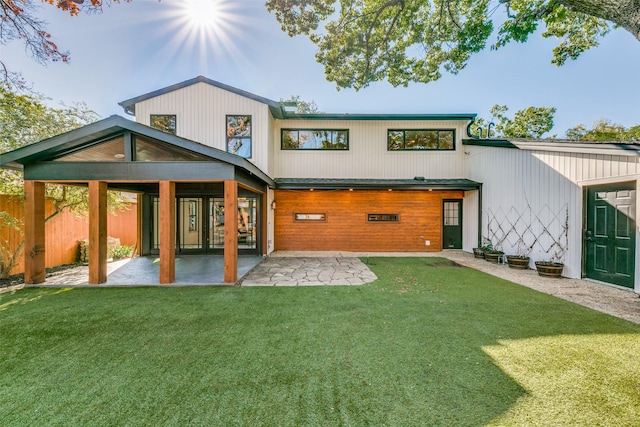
(122,251)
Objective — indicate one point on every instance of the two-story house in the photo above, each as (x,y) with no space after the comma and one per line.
(222,171)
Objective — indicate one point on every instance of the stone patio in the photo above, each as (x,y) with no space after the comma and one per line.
(309,271)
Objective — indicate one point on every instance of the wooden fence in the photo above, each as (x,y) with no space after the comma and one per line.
(64,230)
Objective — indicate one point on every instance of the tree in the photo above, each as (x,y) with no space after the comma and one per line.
(604,130)
(531,122)
(302,107)
(25,119)
(19,21)
(415,41)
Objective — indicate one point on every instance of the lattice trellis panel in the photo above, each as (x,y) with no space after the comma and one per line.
(522,232)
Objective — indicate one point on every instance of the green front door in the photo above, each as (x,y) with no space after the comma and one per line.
(452,224)
(610,236)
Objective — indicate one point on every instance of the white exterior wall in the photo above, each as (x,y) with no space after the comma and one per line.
(544,189)
(367,156)
(201,111)
(470,220)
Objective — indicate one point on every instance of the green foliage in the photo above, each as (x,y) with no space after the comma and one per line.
(430,343)
(578,33)
(302,107)
(388,39)
(531,122)
(416,41)
(24,120)
(604,130)
(121,251)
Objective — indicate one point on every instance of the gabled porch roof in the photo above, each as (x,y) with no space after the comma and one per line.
(38,160)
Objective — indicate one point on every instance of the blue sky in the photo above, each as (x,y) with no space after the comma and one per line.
(134,48)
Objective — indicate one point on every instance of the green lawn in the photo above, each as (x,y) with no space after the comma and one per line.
(429,343)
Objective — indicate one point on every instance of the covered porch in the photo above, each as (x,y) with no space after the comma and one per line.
(118,154)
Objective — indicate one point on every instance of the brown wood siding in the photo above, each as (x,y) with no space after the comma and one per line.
(63,232)
(346,227)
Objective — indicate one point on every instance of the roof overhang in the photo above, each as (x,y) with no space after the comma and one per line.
(619,148)
(36,157)
(381,117)
(282,110)
(417,183)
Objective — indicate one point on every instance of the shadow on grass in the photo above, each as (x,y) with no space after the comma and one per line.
(429,343)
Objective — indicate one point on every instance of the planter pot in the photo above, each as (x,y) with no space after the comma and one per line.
(478,253)
(549,269)
(518,262)
(494,257)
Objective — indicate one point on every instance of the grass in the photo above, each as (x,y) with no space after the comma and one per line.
(429,343)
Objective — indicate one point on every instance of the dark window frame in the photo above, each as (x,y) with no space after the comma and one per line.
(230,137)
(297,214)
(383,217)
(404,140)
(175,122)
(282,132)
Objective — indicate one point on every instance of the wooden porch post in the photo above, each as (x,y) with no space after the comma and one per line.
(138,249)
(167,232)
(265,212)
(97,232)
(230,231)
(34,236)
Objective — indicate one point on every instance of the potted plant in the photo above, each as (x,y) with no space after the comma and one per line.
(549,268)
(552,268)
(493,254)
(521,260)
(480,251)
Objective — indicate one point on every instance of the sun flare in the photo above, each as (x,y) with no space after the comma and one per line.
(205,14)
(198,31)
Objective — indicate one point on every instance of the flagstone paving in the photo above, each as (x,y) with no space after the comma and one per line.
(309,271)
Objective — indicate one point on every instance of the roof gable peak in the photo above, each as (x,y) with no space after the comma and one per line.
(129,105)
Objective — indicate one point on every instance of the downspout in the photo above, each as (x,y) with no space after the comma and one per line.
(480,216)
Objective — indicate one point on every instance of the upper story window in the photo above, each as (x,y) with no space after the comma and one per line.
(315,139)
(239,135)
(164,122)
(419,139)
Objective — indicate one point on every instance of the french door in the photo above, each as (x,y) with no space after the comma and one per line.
(200,224)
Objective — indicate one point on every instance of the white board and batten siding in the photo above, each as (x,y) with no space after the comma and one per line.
(201,111)
(367,157)
(544,187)
(470,220)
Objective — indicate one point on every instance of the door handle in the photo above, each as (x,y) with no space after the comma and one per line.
(587,236)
